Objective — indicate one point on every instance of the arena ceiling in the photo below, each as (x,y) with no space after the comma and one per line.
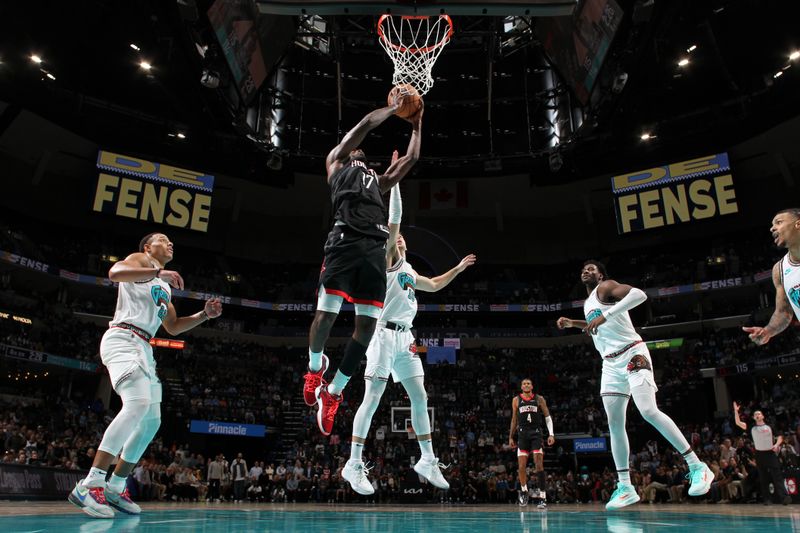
(739,80)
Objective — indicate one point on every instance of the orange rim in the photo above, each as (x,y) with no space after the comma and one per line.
(425,49)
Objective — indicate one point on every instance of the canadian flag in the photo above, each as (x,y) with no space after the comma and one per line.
(446,194)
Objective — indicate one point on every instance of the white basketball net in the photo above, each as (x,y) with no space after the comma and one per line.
(414,45)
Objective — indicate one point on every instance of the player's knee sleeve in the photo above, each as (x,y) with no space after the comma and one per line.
(131,414)
(141,437)
(372,398)
(415,387)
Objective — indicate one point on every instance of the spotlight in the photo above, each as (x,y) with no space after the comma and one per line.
(145,65)
(209,79)
(683,62)
(691,48)
(132,45)
(51,76)
(778,74)
(181,135)
(794,55)
(36,59)
(646,136)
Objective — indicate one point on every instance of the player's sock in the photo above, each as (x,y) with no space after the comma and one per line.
(338,383)
(95,478)
(624,476)
(356,448)
(314,360)
(523,486)
(541,479)
(691,459)
(426,447)
(117,483)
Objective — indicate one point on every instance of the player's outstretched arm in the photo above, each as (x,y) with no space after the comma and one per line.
(440,282)
(627,298)
(399,168)
(395,217)
(355,136)
(564,323)
(137,267)
(782,316)
(176,325)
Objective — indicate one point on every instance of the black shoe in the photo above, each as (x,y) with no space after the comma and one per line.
(523,498)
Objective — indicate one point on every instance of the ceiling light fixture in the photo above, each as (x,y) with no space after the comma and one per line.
(181,135)
(51,76)
(683,62)
(145,65)
(794,55)
(647,136)
(36,59)
(132,45)
(692,48)
(778,74)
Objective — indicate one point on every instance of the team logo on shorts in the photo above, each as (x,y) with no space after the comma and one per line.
(412,349)
(639,362)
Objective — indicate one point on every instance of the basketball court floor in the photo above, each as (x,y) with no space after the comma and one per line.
(62,517)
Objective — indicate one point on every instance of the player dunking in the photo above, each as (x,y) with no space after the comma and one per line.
(392,351)
(528,411)
(355,256)
(627,371)
(143,305)
(785,276)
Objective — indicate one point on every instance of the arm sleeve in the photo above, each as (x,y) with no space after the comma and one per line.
(631,300)
(548,420)
(395,205)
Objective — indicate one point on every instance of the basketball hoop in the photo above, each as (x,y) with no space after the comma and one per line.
(414,44)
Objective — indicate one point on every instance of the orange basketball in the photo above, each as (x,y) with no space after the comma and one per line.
(412,103)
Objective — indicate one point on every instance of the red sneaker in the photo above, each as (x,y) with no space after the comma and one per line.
(314,380)
(328,405)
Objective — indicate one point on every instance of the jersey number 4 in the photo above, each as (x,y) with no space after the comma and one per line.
(529,418)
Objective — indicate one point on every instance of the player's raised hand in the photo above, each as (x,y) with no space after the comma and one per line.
(735,407)
(466,262)
(398,100)
(213,308)
(551,440)
(173,278)
(416,118)
(564,323)
(758,335)
(395,157)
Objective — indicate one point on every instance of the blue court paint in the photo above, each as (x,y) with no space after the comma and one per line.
(459,519)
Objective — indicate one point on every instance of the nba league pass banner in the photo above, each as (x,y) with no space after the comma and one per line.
(36,482)
(227,428)
(153,192)
(691,190)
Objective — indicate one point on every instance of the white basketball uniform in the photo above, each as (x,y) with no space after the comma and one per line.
(392,349)
(125,349)
(790,279)
(618,343)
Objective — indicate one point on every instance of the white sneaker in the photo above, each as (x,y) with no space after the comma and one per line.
(122,501)
(91,501)
(355,472)
(430,469)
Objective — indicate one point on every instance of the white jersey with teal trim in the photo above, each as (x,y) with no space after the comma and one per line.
(400,305)
(790,278)
(618,331)
(143,304)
